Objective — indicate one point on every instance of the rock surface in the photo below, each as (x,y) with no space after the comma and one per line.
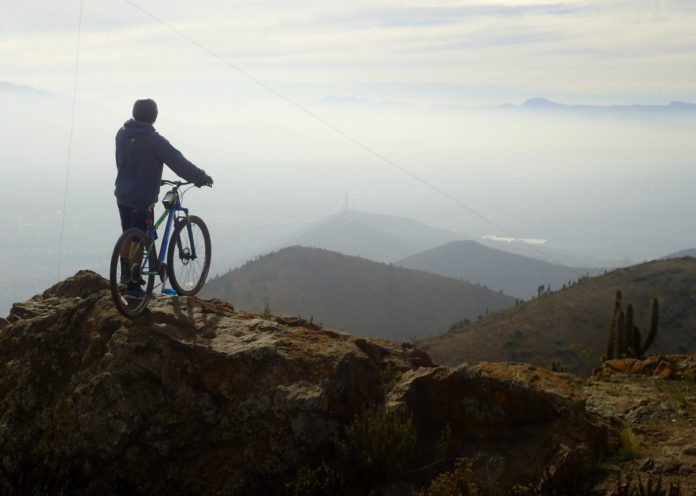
(195,398)
(514,421)
(657,414)
(662,366)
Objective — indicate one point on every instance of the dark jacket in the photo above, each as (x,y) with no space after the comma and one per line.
(140,153)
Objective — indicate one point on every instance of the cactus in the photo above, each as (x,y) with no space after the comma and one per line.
(611,345)
(654,317)
(625,337)
(629,338)
(620,335)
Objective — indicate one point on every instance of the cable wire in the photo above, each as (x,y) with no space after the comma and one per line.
(70,140)
(320,119)
(342,133)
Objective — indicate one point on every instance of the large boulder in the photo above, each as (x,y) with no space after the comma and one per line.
(192,398)
(513,421)
(195,398)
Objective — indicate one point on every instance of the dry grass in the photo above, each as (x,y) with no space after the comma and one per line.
(572,325)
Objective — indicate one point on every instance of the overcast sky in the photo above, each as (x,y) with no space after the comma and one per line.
(472,53)
(398,76)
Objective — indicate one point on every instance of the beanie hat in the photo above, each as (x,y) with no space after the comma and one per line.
(145,111)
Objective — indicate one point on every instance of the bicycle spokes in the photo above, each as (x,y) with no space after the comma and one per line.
(189,255)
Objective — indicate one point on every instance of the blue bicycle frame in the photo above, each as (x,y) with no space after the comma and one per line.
(169,214)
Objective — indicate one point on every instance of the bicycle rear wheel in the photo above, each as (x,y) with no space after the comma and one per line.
(188,256)
(141,269)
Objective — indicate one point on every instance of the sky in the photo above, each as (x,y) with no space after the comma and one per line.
(418,82)
(445,51)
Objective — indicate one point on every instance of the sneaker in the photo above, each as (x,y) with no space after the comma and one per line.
(126,274)
(134,292)
(125,268)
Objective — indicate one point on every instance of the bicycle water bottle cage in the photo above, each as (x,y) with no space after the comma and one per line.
(170,199)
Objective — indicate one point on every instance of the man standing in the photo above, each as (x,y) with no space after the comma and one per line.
(141,153)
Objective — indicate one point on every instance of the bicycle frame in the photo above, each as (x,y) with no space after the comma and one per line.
(169,214)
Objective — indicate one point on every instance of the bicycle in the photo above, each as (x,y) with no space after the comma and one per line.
(187,251)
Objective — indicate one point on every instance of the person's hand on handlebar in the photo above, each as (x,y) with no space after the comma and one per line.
(206,180)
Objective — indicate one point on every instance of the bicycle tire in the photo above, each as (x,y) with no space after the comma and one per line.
(187,275)
(132,307)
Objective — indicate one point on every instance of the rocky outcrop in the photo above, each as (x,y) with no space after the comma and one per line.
(82,285)
(195,398)
(663,366)
(514,421)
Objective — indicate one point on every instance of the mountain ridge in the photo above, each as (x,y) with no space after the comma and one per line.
(514,274)
(378,237)
(545,104)
(354,294)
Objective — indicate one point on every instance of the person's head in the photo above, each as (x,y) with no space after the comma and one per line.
(145,110)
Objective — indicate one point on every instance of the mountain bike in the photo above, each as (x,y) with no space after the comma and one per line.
(187,253)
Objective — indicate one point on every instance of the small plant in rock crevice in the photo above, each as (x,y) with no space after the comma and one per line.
(377,447)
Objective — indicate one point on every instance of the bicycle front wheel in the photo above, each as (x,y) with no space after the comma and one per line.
(188,256)
(132,272)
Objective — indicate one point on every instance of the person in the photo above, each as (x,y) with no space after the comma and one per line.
(141,153)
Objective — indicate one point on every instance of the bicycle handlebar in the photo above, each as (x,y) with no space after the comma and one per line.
(173,183)
(178,184)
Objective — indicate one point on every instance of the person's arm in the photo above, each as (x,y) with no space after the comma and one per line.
(176,161)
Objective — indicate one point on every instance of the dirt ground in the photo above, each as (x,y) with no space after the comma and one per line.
(659,434)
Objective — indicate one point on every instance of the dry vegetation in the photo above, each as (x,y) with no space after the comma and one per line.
(572,325)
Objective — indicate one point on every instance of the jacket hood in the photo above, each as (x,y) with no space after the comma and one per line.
(138,128)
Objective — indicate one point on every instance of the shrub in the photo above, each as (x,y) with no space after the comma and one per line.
(630,445)
(460,481)
(378,446)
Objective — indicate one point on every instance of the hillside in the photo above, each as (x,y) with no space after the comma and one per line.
(513,274)
(691,252)
(353,294)
(382,238)
(572,325)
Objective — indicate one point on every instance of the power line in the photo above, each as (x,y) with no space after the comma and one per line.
(70,139)
(347,136)
(317,117)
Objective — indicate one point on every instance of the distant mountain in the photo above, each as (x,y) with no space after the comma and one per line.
(553,255)
(573,324)
(691,252)
(382,238)
(515,275)
(353,294)
(9,89)
(542,104)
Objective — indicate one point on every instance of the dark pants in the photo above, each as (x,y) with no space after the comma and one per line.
(135,217)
